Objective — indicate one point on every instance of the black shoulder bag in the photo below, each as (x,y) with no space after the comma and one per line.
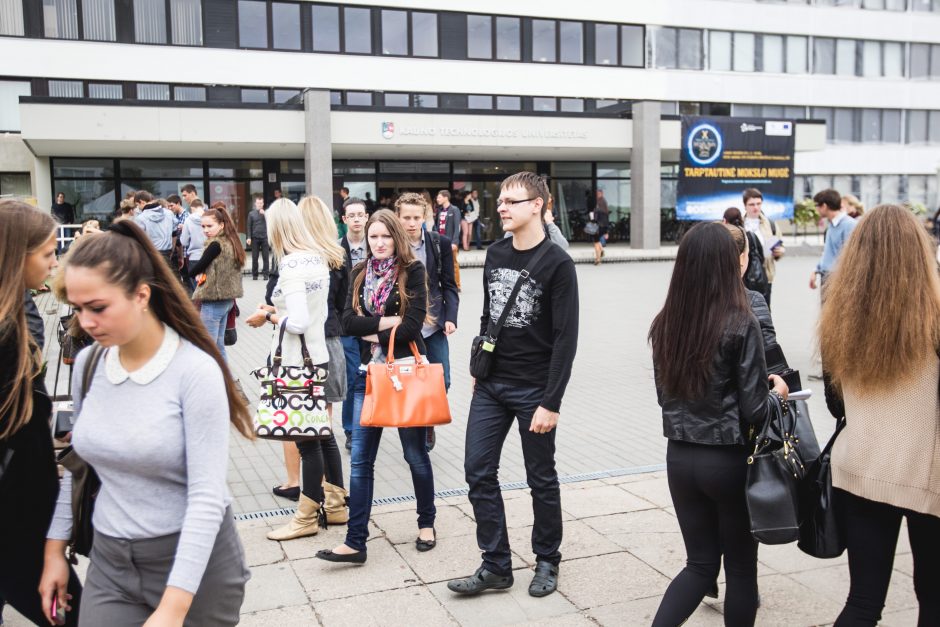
(484,346)
(85,481)
(820,528)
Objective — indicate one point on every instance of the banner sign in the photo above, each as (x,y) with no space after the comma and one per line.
(720,157)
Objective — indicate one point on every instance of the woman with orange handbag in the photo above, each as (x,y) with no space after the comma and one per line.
(388,290)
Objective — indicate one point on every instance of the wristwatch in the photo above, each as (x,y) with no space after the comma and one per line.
(267,316)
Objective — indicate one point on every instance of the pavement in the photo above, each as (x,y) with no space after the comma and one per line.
(622,543)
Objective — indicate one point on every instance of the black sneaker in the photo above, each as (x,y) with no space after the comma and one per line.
(432,439)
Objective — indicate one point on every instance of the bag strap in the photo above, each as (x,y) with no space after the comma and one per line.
(276,361)
(493,330)
(88,374)
(390,353)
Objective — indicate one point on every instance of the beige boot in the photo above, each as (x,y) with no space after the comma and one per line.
(306,522)
(337,511)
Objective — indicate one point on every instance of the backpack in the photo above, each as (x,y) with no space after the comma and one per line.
(436,247)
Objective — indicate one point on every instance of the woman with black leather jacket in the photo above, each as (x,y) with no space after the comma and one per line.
(711,382)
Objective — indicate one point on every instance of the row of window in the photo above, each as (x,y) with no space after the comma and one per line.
(872,189)
(878,5)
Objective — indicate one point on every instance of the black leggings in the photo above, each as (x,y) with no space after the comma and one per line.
(707,488)
(319,457)
(871,535)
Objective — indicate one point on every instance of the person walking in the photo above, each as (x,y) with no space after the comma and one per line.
(388,290)
(600,215)
(193,240)
(448,225)
(830,206)
(766,232)
(218,273)
(300,314)
(532,364)
(177,559)
(879,332)
(258,239)
(708,430)
(354,243)
(29,481)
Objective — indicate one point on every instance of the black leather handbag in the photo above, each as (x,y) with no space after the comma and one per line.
(820,528)
(774,472)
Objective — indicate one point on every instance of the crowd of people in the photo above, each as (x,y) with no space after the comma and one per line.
(155,398)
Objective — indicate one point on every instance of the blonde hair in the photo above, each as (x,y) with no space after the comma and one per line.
(23,229)
(320,224)
(854,203)
(881,318)
(287,230)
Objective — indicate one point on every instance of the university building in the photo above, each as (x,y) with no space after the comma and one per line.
(240,97)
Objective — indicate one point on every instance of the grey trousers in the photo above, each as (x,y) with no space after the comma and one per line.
(126,580)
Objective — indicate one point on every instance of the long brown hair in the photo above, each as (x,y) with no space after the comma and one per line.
(881,318)
(403,254)
(228,232)
(23,229)
(705,296)
(126,258)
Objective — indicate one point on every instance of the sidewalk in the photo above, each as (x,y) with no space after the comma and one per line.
(622,545)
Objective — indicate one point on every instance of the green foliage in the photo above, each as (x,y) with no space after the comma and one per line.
(804,213)
(918,209)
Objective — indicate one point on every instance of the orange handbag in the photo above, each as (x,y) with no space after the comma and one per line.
(405,395)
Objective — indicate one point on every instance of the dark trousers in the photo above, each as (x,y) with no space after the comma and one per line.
(492,411)
(707,488)
(871,535)
(259,245)
(319,458)
(353,359)
(21,564)
(439,353)
(477,229)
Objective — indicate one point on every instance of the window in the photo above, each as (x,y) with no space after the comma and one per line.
(933,127)
(98,20)
(844,125)
(150,91)
(508,103)
(719,50)
(871,125)
(892,59)
(11,17)
(150,21)
(15,184)
(66,89)
(605,44)
(690,49)
(359,98)
(259,96)
(252,24)
(797,57)
(105,91)
(479,102)
(395,32)
(666,48)
(772,58)
(544,104)
(826,114)
(10,92)
(336,98)
(186,22)
(424,34)
(325,28)
(507,38)
(479,37)
(60,19)
(744,52)
(824,55)
(285,25)
(574,105)
(426,101)
(397,100)
(934,61)
(543,41)
(846,57)
(920,60)
(283,96)
(571,40)
(632,46)
(678,48)
(189,94)
(891,126)
(357,30)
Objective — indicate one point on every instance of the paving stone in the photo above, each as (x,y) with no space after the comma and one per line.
(272,586)
(634,526)
(578,619)
(405,607)
(785,601)
(788,558)
(634,477)
(655,490)
(503,607)
(384,570)
(454,556)
(258,549)
(601,501)
(833,582)
(402,527)
(642,611)
(579,540)
(899,619)
(296,616)
(607,579)
(904,562)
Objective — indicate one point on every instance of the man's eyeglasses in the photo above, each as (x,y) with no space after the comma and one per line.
(510,203)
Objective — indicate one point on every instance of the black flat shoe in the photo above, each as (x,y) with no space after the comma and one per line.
(287,493)
(480,581)
(545,581)
(426,545)
(353,558)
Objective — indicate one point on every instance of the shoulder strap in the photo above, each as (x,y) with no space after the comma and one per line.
(88,374)
(436,247)
(493,331)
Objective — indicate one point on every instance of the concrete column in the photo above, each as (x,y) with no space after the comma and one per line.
(645,164)
(318,145)
(42,183)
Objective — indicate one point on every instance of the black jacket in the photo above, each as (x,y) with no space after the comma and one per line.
(442,288)
(339,288)
(736,398)
(257,225)
(362,324)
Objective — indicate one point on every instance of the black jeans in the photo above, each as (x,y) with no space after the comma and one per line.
(871,535)
(319,458)
(259,245)
(492,411)
(707,487)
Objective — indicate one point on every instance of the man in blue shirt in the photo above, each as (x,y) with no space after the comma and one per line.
(829,205)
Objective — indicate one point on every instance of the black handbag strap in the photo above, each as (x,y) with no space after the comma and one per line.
(88,375)
(493,330)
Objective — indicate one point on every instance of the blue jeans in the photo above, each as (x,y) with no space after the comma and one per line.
(439,353)
(353,359)
(493,409)
(365,447)
(214,314)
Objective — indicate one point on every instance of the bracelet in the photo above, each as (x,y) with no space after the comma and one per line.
(783,403)
(267,316)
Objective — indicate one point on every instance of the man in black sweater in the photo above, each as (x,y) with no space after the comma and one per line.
(532,364)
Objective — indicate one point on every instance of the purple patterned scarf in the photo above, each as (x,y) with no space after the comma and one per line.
(383,274)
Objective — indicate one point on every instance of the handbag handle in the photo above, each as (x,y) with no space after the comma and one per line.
(276,361)
(390,353)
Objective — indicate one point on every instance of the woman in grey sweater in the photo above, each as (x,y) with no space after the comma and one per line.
(154,424)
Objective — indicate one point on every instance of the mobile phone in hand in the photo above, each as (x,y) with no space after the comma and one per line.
(57,613)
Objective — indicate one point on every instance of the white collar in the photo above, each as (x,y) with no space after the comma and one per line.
(836,220)
(149,371)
